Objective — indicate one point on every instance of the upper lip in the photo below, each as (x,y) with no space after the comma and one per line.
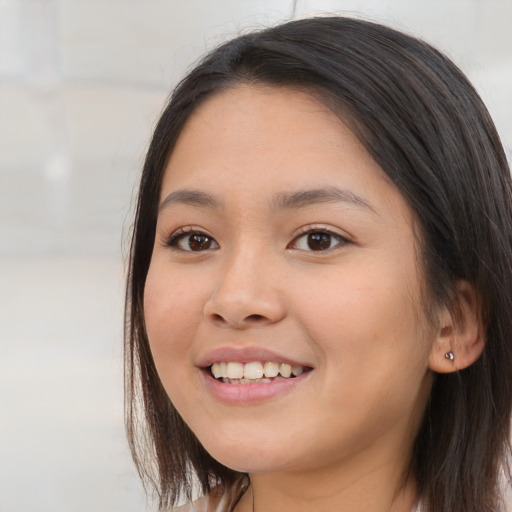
(246,355)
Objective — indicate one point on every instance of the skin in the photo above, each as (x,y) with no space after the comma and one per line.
(341,439)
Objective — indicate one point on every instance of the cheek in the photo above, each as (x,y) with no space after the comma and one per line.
(367,322)
(172,308)
(173,311)
(373,302)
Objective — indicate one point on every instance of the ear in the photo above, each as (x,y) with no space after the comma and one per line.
(460,339)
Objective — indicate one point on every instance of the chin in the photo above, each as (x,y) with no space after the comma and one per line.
(250,459)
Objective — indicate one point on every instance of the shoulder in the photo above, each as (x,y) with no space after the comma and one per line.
(212,502)
(200,505)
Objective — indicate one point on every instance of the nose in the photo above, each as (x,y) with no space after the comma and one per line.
(246,294)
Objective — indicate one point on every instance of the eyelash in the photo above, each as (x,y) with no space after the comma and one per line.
(310,230)
(187,231)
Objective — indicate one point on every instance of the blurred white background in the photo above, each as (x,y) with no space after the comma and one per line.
(81,85)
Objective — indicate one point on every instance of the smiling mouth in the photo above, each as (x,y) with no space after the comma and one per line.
(255,372)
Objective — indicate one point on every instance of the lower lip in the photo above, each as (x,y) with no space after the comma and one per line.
(247,393)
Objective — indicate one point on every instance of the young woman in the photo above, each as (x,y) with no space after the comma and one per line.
(320,289)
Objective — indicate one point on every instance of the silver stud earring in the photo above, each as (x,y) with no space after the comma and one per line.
(450,355)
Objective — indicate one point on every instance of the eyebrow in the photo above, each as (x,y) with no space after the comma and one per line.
(303,198)
(190,197)
(281,201)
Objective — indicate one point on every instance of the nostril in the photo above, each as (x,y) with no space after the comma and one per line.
(255,318)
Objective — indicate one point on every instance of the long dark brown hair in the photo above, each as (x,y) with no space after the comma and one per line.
(424,124)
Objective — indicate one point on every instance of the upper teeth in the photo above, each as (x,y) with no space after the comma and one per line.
(254,370)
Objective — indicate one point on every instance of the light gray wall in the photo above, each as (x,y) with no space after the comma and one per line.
(81,85)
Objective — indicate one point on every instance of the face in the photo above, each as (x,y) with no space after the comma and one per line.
(281,247)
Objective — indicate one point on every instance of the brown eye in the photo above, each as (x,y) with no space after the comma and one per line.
(192,242)
(318,241)
(199,242)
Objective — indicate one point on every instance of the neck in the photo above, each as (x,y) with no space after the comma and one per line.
(379,489)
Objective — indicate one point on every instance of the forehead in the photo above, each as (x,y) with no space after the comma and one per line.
(263,126)
(255,141)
